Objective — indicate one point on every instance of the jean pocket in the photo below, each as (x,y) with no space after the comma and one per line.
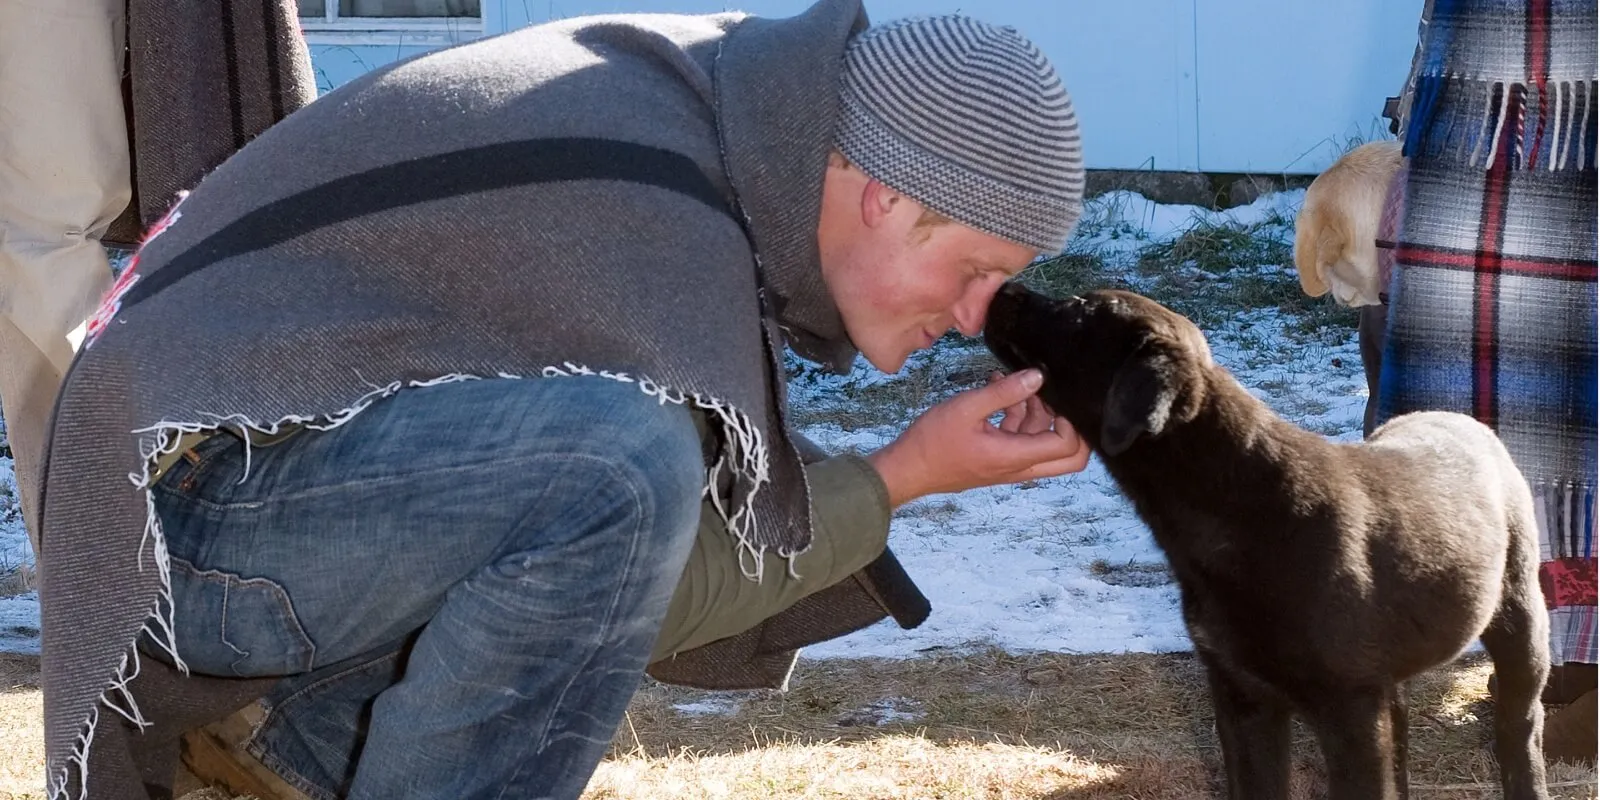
(188,474)
(231,626)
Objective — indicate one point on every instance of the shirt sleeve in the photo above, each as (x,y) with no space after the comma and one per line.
(850,524)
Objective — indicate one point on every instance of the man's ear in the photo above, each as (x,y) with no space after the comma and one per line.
(1140,399)
(879,201)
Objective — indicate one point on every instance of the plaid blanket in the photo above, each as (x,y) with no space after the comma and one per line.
(1492,304)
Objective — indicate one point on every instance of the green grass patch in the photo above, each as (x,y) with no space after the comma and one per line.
(1072,273)
(1216,249)
(1212,272)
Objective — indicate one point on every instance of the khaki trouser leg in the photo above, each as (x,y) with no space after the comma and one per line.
(28,383)
(64,177)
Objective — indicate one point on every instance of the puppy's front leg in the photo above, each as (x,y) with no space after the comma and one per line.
(1254,729)
(1355,730)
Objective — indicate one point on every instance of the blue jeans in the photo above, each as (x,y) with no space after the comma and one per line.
(462,583)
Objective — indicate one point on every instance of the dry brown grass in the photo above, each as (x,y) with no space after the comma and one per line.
(995,725)
(990,725)
(21,729)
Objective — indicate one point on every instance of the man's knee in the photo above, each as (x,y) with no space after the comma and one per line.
(645,448)
(656,446)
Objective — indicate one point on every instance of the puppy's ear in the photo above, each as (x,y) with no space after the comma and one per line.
(1140,399)
(1317,245)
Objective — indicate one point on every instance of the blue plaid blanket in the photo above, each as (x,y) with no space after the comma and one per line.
(1492,302)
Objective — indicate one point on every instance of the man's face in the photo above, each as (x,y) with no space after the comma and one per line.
(899,287)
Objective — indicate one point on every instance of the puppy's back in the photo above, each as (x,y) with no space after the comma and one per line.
(1447,461)
(1455,470)
(1447,499)
(1336,231)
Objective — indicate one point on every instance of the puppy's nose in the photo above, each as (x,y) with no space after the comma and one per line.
(1006,301)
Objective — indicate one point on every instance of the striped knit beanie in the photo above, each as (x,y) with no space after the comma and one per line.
(968,119)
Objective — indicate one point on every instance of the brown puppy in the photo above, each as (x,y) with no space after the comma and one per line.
(1336,232)
(1315,576)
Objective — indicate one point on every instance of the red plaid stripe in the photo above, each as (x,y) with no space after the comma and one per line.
(1538,47)
(1491,234)
(1462,260)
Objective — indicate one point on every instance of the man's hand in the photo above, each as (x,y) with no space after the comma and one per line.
(953,446)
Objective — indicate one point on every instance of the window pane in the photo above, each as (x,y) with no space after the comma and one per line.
(312,8)
(404,8)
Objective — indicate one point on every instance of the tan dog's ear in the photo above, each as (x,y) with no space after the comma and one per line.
(1316,246)
(1140,399)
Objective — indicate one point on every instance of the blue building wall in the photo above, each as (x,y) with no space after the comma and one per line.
(336,64)
(1266,86)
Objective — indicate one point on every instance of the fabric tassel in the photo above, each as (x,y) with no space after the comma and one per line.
(1424,110)
(1566,516)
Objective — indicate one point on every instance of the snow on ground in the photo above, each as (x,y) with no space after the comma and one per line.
(1132,212)
(1059,565)
(887,711)
(19,624)
(19,614)
(14,548)
(713,706)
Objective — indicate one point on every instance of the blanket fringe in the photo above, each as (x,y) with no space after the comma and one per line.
(1532,125)
(61,781)
(1565,512)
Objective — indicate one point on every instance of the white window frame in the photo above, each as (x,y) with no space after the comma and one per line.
(332,29)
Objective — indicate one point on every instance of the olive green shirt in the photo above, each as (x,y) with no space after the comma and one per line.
(850,526)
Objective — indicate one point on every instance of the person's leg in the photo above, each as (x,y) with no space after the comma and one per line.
(529,533)
(1370,324)
(1570,731)
(28,385)
(64,177)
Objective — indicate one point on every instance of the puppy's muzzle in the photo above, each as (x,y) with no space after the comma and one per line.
(1015,318)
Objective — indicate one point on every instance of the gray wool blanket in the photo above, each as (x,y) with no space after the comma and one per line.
(635,197)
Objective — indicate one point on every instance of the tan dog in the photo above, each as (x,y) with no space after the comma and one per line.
(1335,235)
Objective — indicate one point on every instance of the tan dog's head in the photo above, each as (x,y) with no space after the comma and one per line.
(1336,233)
(1117,365)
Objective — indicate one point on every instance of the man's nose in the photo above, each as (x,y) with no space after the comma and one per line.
(973,307)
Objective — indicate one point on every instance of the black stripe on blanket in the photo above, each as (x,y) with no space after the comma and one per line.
(269,19)
(230,57)
(421,180)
